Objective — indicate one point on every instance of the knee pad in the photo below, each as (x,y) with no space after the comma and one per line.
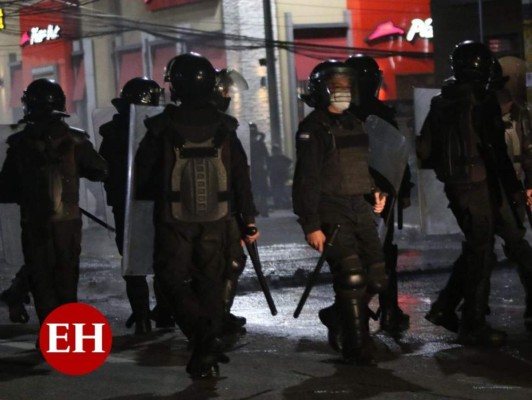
(377,277)
(235,266)
(350,275)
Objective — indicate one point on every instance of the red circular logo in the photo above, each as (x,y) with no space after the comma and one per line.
(75,339)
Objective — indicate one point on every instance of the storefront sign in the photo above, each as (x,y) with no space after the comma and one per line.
(418,26)
(2,25)
(39,35)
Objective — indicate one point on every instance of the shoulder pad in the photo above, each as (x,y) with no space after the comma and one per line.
(106,128)
(316,120)
(157,122)
(14,138)
(78,134)
(229,122)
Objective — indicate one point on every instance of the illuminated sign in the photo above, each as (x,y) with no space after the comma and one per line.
(2,25)
(385,29)
(421,27)
(418,26)
(40,35)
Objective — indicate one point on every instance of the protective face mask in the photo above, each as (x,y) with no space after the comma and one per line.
(341,100)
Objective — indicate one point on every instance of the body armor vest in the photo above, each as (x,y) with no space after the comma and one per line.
(50,188)
(346,171)
(199,182)
(456,142)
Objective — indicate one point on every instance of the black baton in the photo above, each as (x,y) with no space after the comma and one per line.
(255,260)
(96,219)
(315,273)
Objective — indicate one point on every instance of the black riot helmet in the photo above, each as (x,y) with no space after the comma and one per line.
(140,91)
(497,79)
(318,94)
(226,81)
(368,74)
(43,98)
(191,78)
(472,62)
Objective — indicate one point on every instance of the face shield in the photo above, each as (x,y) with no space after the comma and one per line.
(228,81)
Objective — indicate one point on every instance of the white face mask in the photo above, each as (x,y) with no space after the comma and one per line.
(341,100)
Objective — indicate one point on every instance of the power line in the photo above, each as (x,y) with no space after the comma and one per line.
(95,23)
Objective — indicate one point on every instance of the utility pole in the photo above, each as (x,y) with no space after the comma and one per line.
(275,121)
(481,21)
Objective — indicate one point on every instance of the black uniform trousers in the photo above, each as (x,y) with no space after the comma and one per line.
(357,239)
(474,207)
(505,223)
(189,264)
(51,255)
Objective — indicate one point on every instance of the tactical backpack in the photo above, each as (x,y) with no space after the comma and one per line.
(199,180)
(455,144)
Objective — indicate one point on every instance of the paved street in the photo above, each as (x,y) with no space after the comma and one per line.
(280,357)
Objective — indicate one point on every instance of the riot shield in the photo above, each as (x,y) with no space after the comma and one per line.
(91,194)
(99,117)
(388,157)
(10,213)
(388,151)
(435,216)
(138,230)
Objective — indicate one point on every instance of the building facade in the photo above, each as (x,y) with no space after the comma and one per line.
(93,48)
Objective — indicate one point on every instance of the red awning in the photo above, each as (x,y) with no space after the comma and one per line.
(16,87)
(79,84)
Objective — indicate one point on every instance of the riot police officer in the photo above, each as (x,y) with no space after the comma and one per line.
(508,224)
(114,149)
(41,173)
(462,139)
(330,182)
(190,161)
(369,77)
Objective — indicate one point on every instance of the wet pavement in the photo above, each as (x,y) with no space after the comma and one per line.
(282,357)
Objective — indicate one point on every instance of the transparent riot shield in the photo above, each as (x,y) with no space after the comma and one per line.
(10,213)
(388,153)
(138,230)
(99,117)
(388,156)
(435,216)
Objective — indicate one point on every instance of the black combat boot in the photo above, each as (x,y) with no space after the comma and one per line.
(138,295)
(474,330)
(162,318)
(17,295)
(231,324)
(443,311)
(207,352)
(520,253)
(161,314)
(358,347)
(330,317)
(17,310)
(392,319)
